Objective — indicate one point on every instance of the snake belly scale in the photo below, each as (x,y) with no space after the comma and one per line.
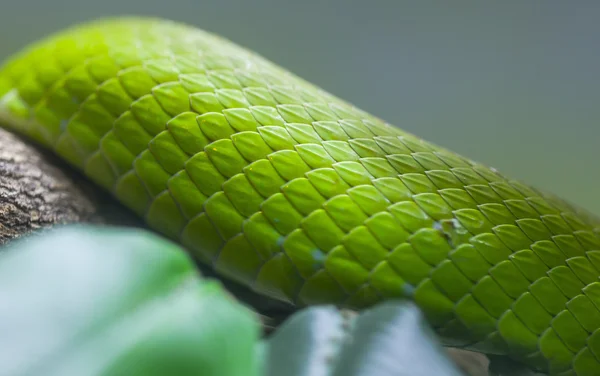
(305,198)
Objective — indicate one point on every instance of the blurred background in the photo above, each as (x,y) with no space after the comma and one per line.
(512,84)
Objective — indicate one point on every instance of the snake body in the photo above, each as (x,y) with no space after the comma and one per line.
(305,198)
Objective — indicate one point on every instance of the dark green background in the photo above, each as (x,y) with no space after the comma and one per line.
(513,84)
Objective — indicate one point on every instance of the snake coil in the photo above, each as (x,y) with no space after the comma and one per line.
(291,191)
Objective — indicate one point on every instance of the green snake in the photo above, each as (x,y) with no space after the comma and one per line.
(305,198)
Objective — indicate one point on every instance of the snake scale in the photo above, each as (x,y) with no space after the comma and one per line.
(305,198)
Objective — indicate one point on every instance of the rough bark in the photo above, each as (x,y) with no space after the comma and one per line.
(471,363)
(37,191)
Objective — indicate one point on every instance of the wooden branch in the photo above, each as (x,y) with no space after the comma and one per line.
(38,191)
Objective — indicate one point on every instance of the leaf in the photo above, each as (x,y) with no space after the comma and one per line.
(391,338)
(106,301)
(306,344)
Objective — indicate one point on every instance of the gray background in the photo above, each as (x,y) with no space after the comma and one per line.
(513,84)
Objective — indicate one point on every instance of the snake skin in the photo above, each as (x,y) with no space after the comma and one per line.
(305,198)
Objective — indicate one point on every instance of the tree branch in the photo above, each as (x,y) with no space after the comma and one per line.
(37,191)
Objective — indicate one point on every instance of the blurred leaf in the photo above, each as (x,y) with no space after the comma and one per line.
(104,301)
(125,302)
(389,339)
(307,343)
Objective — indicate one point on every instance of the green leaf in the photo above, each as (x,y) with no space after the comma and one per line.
(106,301)
(391,338)
(307,343)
